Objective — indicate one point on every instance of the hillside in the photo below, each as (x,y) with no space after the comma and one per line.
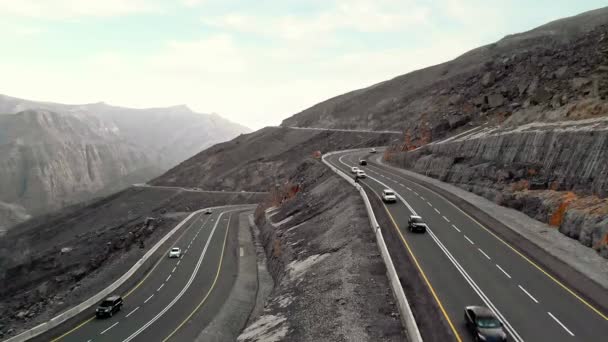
(519,77)
(53,155)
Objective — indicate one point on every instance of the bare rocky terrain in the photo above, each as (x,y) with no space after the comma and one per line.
(53,155)
(330,280)
(535,104)
(56,261)
(262,159)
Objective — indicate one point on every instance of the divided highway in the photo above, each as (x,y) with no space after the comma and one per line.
(464,263)
(179,296)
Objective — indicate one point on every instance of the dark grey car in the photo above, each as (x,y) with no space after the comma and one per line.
(109,306)
(484,325)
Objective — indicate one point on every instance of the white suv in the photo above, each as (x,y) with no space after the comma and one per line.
(361,174)
(175,252)
(354,169)
(389,196)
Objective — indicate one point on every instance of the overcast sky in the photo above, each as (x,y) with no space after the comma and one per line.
(255,62)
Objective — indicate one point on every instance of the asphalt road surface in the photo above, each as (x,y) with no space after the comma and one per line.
(465,264)
(180,296)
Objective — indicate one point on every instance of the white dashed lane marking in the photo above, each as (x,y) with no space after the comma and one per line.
(161,286)
(111,326)
(169,277)
(438,212)
(484,254)
(456,228)
(528,293)
(130,313)
(178,263)
(471,241)
(422,198)
(147,299)
(173,269)
(242,251)
(560,323)
(429,203)
(445,218)
(503,271)
(409,189)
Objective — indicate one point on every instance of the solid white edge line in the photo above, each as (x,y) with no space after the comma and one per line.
(453,226)
(560,323)
(111,326)
(471,241)
(528,293)
(460,269)
(148,299)
(503,271)
(484,253)
(130,313)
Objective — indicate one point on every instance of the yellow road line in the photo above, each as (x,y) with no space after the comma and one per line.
(217,274)
(538,267)
(88,320)
(426,280)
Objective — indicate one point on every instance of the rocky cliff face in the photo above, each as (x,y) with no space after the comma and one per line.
(554,172)
(52,155)
(50,160)
(517,78)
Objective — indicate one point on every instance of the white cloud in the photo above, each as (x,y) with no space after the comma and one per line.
(68,9)
(355,15)
(191,3)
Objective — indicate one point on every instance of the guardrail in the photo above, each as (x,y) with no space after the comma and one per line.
(87,304)
(407,317)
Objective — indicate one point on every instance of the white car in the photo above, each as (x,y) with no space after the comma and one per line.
(389,196)
(373,150)
(354,169)
(361,174)
(175,252)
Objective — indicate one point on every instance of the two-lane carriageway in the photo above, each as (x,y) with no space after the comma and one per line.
(465,263)
(179,296)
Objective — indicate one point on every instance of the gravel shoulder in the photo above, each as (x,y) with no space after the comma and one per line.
(331,283)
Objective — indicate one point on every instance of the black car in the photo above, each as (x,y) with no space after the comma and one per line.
(415,224)
(362,162)
(109,306)
(483,324)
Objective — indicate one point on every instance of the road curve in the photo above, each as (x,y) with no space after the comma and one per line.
(467,264)
(179,296)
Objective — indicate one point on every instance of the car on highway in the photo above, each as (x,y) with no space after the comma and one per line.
(388,196)
(175,252)
(416,224)
(208,212)
(109,306)
(361,174)
(373,150)
(362,162)
(354,169)
(483,324)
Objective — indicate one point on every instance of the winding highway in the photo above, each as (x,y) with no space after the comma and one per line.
(179,296)
(465,263)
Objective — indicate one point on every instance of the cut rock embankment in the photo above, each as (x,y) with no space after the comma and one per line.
(556,173)
(330,281)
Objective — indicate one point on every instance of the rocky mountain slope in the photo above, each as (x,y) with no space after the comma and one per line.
(258,161)
(52,155)
(520,76)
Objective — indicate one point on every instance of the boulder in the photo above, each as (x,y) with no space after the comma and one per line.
(455,99)
(495,100)
(559,73)
(579,82)
(487,79)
